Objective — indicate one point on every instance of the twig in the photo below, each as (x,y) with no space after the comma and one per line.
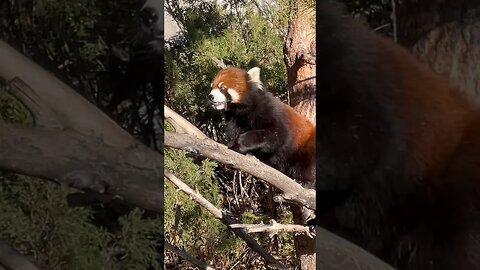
(394,20)
(227,220)
(198,263)
(274,228)
(219,63)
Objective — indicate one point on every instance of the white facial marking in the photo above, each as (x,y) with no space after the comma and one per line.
(219,99)
(233,94)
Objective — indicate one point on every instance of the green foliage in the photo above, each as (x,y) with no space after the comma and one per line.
(11,110)
(139,237)
(238,43)
(196,223)
(75,21)
(58,237)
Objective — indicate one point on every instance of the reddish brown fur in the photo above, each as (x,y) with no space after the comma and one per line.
(303,130)
(234,78)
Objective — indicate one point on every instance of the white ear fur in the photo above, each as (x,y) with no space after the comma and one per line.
(254,74)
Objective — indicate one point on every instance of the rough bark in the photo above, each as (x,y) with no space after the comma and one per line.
(299,55)
(446,35)
(80,162)
(291,190)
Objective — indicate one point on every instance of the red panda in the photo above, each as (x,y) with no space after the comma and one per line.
(261,125)
(398,164)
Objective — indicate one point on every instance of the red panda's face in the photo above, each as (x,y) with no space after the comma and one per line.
(231,85)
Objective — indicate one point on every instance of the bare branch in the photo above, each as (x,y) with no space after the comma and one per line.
(335,253)
(74,143)
(213,150)
(393,16)
(198,263)
(65,106)
(10,259)
(181,125)
(273,228)
(84,163)
(227,220)
(219,63)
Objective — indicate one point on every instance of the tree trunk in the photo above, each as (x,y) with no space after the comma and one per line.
(446,35)
(299,55)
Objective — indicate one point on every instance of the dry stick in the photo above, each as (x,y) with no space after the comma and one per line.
(10,259)
(293,191)
(273,228)
(224,218)
(198,263)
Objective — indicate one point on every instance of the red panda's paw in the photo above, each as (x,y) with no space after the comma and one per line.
(243,143)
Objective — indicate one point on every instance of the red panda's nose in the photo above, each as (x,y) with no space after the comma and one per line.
(210,97)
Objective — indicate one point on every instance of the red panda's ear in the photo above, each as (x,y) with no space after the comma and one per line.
(254,74)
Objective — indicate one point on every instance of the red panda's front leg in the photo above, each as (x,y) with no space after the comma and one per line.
(260,140)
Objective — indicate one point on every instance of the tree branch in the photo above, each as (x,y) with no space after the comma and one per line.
(10,259)
(335,253)
(273,228)
(84,163)
(54,98)
(293,191)
(227,220)
(181,125)
(188,257)
(74,143)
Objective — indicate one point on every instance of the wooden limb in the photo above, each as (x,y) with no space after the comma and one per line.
(219,63)
(227,220)
(181,125)
(213,150)
(273,228)
(41,90)
(10,259)
(43,115)
(335,253)
(82,162)
(198,263)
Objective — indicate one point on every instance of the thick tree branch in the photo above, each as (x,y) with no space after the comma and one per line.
(335,253)
(213,150)
(181,125)
(84,163)
(74,142)
(69,108)
(10,259)
(227,220)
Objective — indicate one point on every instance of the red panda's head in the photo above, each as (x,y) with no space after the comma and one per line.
(231,85)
